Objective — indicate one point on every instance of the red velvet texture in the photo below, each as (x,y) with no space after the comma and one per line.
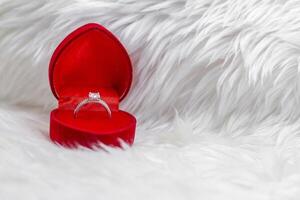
(90,59)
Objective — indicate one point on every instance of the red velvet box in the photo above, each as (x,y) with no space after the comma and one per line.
(90,59)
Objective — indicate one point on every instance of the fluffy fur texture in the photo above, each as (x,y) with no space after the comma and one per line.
(216,94)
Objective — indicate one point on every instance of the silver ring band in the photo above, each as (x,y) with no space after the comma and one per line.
(92,98)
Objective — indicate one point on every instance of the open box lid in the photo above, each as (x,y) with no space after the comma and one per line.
(90,58)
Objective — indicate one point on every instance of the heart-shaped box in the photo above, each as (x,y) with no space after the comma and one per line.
(90,59)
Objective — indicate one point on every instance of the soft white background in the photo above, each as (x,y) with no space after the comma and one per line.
(216,93)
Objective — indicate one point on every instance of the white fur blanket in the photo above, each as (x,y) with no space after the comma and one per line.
(216,93)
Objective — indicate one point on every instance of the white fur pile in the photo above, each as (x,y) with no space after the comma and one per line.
(216,93)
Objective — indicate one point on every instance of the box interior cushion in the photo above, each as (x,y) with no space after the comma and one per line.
(75,95)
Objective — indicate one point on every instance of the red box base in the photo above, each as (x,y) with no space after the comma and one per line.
(91,128)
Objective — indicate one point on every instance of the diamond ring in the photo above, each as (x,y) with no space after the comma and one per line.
(93,97)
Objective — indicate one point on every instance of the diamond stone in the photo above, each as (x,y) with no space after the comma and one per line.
(94,95)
